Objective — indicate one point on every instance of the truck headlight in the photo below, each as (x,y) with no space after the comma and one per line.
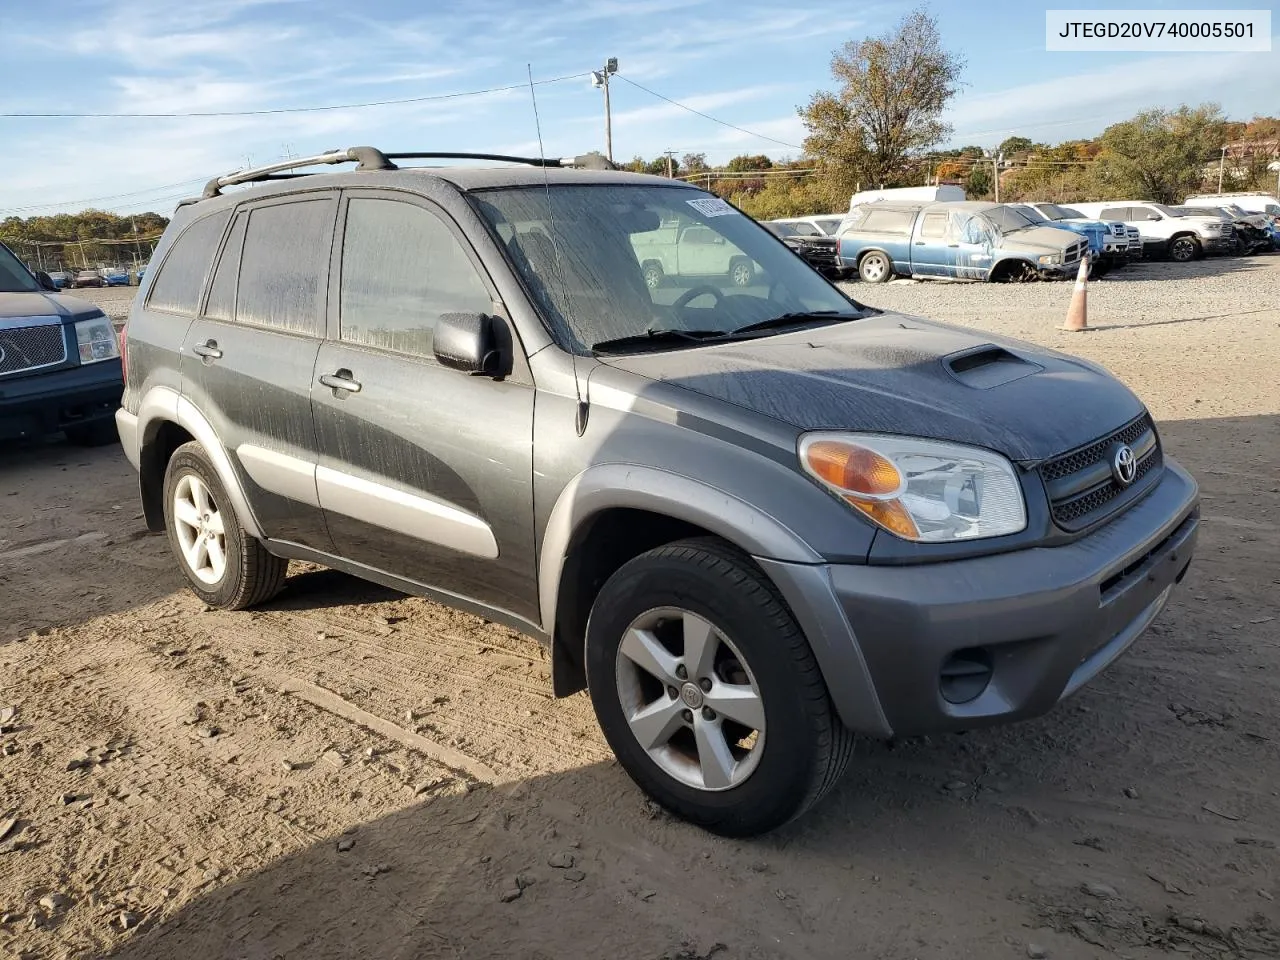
(922,490)
(97,341)
(1050,258)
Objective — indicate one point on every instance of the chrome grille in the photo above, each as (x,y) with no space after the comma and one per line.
(30,348)
(1081,486)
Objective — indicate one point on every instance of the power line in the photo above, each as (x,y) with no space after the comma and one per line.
(116,196)
(705,116)
(278,110)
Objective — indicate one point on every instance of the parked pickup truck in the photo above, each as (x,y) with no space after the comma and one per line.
(1104,250)
(690,249)
(1116,248)
(1164,232)
(957,241)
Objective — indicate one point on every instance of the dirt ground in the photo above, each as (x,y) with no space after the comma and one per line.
(350,773)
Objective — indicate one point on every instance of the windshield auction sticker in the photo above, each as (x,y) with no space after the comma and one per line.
(711,207)
(1170,31)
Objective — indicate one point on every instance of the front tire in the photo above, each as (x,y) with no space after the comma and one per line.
(708,692)
(742,273)
(224,565)
(1184,249)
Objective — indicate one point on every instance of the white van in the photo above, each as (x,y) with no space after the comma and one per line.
(1252,202)
(908,194)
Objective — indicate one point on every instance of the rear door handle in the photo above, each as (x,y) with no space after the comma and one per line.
(341,380)
(209,350)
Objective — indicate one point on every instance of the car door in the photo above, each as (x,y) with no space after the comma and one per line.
(970,250)
(249,357)
(424,472)
(929,245)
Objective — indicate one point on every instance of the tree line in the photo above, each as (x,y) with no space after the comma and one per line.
(85,239)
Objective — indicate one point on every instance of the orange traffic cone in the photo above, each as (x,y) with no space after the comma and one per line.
(1078,312)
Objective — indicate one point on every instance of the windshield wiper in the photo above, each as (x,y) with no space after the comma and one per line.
(655,338)
(796,319)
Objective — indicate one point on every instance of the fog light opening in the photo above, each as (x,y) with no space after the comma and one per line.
(965,674)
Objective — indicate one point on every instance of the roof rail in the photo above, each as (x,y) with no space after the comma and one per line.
(371,158)
(365,158)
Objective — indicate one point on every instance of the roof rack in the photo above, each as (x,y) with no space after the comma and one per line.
(371,158)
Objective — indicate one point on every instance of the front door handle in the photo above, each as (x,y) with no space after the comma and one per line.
(341,380)
(208,350)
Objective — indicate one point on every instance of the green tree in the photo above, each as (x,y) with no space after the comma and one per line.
(978,183)
(887,111)
(694,163)
(745,164)
(1012,145)
(1160,155)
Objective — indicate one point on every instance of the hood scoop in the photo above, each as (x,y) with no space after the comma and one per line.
(987,365)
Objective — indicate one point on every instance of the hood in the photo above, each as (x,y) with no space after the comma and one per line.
(46,305)
(1055,239)
(899,374)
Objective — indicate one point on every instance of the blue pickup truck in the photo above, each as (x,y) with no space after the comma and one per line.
(955,240)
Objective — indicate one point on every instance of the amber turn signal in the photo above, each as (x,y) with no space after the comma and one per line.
(854,469)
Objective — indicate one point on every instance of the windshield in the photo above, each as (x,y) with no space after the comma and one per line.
(829,225)
(1031,213)
(1162,209)
(779,229)
(1007,219)
(14,277)
(628,261)
(1055,212)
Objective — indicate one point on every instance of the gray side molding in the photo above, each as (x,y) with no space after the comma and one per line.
(162,404)
(640,487)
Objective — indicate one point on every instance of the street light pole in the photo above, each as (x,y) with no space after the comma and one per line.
(600,78)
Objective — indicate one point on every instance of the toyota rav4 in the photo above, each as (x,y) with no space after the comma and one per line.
(752,520)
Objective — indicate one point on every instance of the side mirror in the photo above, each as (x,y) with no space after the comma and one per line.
(466,342)
(1154,216)
(46,281)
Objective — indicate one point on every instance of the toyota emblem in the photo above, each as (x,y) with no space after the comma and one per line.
(1124,465)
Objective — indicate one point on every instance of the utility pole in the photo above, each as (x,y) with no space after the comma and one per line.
(995,164)
(670,154)
(600,78)
(1222,162)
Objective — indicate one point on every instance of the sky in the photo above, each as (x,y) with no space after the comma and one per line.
(750,64)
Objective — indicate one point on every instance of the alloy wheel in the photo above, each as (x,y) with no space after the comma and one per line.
(690,699)
(199,526)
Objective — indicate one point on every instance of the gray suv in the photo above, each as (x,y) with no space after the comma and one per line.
(753,521)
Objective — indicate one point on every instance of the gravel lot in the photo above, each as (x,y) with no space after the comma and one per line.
(348,772)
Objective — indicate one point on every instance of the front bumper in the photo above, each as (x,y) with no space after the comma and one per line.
(1059,271)
(1218,245)
(1045,620)
(44,403)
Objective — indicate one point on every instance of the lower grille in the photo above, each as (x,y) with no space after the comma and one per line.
(1082,484)
(23,349)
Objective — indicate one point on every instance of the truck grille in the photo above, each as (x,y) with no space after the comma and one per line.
(29,348)
(1081,485)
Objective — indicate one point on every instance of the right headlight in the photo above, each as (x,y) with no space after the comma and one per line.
(921,490)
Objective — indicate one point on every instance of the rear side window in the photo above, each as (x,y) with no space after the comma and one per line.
(1115,213)
(285,258)
(222,292)
(889,221)
(401,269)
(177,287)
(934,226)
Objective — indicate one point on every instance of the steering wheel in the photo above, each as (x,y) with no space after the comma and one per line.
(694,292)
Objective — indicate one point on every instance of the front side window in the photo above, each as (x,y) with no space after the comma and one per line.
(604,262)
(401,269)
(177,286)
(285,259)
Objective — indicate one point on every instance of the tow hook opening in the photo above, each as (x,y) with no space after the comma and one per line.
(965,674)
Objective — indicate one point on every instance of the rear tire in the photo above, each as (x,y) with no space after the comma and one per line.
(875,268)
(742,273)
(721,770)
(224,565)
(653,275)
